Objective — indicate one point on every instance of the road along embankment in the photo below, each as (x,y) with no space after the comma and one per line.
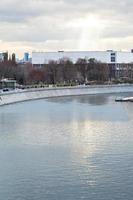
(33,94)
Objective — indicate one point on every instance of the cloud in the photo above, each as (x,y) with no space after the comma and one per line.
(66,22)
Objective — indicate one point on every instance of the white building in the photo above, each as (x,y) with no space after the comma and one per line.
(109,57)
(1,56)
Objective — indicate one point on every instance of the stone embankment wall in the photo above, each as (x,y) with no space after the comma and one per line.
(33,94)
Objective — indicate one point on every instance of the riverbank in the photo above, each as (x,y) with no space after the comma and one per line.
(34,94)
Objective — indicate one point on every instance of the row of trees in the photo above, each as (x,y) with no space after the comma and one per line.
(63,71)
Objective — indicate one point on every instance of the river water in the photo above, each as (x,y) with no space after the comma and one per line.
(67,148)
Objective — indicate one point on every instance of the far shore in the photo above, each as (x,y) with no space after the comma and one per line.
(20,95)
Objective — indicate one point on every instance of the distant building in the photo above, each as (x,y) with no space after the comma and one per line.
(109,56)
(26,57)
(3,56)
(14,57)
(7,84)
(115,59)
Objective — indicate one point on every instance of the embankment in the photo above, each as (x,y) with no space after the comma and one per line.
(33,94)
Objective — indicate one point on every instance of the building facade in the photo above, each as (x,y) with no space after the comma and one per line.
(3,56)
(26,57)
(118,61)
(115,57)
(8,84)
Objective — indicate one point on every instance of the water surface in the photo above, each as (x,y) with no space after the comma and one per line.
(67,148)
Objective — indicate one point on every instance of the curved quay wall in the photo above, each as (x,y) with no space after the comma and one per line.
(33,94)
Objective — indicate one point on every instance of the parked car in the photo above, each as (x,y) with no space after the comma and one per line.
(5,90)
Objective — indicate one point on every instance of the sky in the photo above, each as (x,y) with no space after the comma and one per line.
(52,25)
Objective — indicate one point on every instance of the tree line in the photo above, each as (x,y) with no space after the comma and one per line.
(63,71)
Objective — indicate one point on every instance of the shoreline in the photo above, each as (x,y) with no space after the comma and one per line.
(17,96)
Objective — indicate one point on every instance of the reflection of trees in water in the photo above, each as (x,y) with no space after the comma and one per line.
(60,99)
(94,99)
(101,99)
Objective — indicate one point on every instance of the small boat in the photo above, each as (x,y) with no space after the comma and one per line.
(124,99)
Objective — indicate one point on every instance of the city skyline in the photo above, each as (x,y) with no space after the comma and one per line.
(60,25)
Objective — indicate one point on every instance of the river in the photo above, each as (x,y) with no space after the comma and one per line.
(67,148)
